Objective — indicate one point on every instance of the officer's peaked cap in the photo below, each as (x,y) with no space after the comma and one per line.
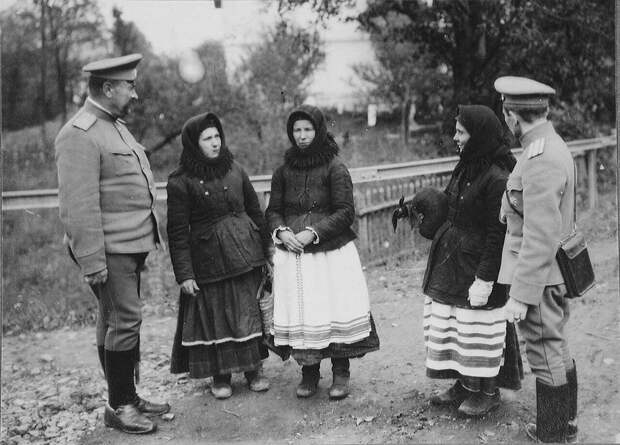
(116,68)
(521,92)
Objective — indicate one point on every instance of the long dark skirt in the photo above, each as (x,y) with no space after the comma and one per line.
(219,330)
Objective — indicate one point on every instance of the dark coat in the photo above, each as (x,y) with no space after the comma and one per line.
(469,243)
(313,189)
(216,229)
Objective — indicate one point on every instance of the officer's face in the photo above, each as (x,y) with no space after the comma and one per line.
(512,122)
(303,133)
(461,136)
(122,94)
(210,142)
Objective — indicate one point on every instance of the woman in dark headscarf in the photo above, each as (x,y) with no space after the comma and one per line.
(219,244)
(464,328)
(321,305)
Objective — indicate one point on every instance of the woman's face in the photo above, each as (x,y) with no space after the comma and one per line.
(210,142)
(461,136)
(303,133)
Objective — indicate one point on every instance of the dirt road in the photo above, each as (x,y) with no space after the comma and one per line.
(53,389)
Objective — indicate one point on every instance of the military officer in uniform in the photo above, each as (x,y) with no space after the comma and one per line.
(107,207)
(538,210)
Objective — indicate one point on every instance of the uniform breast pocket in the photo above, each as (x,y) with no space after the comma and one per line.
(123,163)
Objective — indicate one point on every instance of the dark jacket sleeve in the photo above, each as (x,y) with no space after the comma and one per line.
(342,209)
(275,209)
(178,229)
(488,268)
(252,208)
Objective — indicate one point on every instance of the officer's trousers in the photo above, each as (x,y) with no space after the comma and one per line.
(120,316)
(545,340)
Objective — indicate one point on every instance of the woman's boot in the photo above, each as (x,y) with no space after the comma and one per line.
(310,376)
(221,388)
(455,395)
(481,402)
(340,384)
(257,382)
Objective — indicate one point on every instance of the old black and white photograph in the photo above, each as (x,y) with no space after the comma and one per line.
(309,222)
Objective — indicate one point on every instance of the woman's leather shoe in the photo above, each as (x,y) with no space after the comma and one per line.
(455,395)
(340,387)
(306,389)
(150,408)
(128,419)
(221,390)
(479,403)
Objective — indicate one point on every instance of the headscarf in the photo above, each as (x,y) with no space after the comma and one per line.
(323,147)
(487,143)
(193,160)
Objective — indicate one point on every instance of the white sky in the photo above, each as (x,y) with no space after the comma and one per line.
(173,26)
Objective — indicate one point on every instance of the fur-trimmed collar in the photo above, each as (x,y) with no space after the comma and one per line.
(305,159)
(207,169)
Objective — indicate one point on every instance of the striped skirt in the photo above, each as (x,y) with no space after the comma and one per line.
(320,299)
(466,341)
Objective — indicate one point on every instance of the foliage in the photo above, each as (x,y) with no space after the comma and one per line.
(72,29)
(268,94)
(566,43)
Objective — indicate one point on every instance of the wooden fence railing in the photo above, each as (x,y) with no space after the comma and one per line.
(377,191)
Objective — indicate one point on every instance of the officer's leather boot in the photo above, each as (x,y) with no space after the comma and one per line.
(310,376)
(340,383)
(571,380)
(455,395)
(121,412)
(101,353)
(551,413)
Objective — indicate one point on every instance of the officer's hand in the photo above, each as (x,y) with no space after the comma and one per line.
(189,287)
(479,292)
(514,310)
(305,237)
(96,278)
(290,241)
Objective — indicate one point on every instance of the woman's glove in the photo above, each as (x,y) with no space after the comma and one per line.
(479,292)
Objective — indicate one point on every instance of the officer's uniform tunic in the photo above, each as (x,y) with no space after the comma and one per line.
(107,205)
(541,188)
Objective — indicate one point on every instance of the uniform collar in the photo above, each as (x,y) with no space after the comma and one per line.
(537,132)
(97,106)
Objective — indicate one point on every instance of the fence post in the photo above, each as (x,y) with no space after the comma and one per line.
(592,191)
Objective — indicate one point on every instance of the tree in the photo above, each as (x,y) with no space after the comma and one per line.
(566,43)
(41,35)
(272,78)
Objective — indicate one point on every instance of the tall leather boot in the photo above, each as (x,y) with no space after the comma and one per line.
(310,376)
(551,413)
(101,353)
(121,412)
(340,383)
(571,381)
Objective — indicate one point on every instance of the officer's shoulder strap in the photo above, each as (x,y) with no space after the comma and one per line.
(84,120)
(535,148)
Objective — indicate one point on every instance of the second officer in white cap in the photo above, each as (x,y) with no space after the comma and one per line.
(538,210)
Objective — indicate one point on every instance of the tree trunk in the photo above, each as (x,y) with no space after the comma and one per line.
(43,67)
(61,78)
